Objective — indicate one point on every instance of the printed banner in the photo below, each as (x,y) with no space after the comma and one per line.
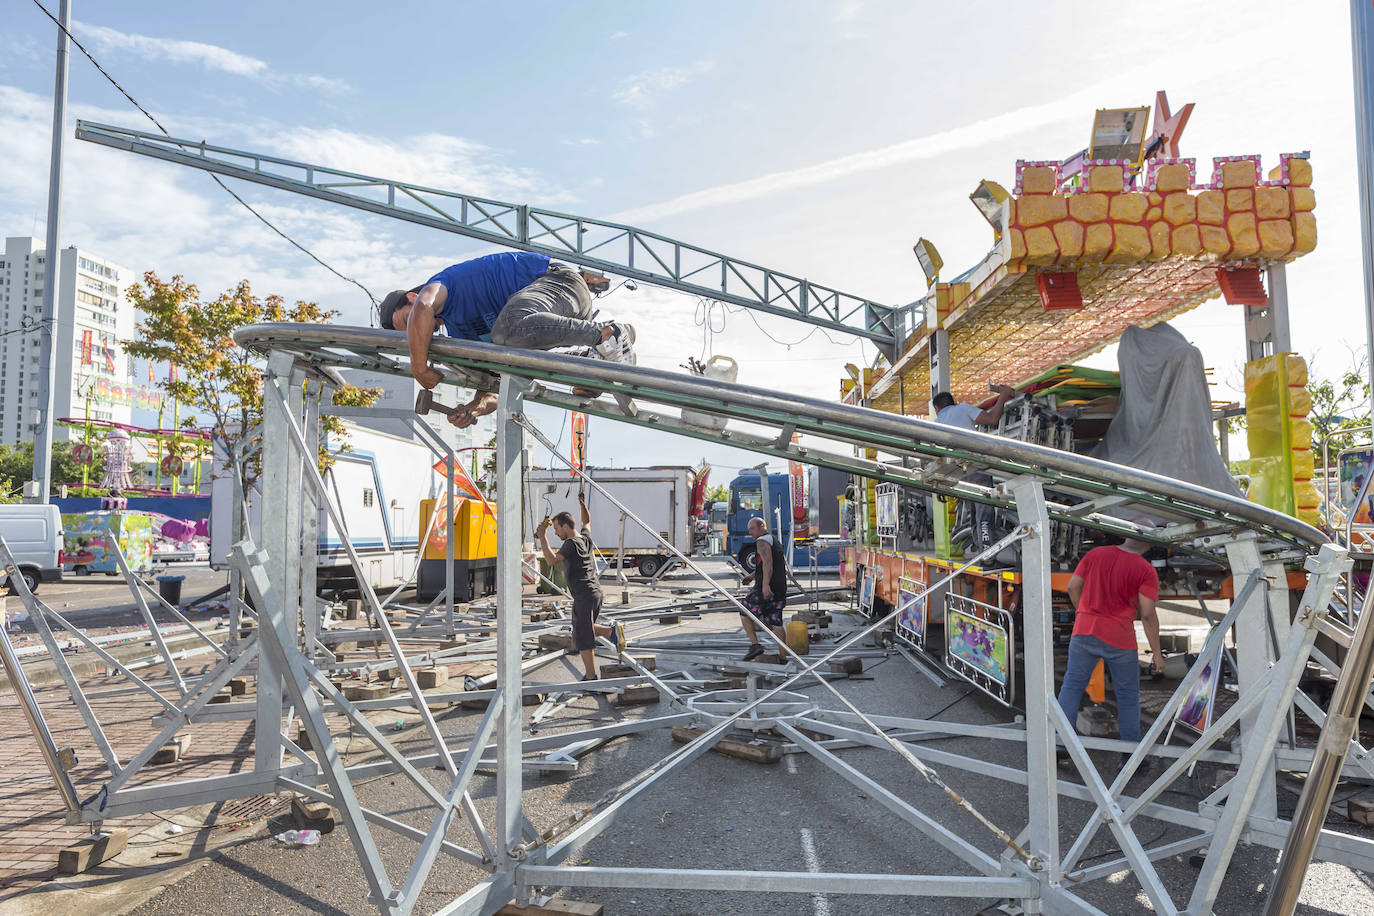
(978,646)
(1196,709)
(87,341)
(106,391)
(911,612)
(579,442)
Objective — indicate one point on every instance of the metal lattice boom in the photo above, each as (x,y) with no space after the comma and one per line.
(595,243)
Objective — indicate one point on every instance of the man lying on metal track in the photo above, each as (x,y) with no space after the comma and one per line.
(512,299)
(970,416)
(578,556)
(1109,587)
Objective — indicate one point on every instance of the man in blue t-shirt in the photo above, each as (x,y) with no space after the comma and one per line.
(512,299)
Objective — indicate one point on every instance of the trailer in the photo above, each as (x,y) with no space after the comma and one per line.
(660,496)
(378,481)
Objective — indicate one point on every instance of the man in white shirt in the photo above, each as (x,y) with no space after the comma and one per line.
(969,416)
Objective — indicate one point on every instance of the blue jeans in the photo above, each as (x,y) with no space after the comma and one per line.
(1123,666)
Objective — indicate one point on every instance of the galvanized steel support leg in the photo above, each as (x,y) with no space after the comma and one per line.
(509,585)
(1253,656)
(1257,744)
(1343,716)
(281,543)
(310,526)
(1038,635)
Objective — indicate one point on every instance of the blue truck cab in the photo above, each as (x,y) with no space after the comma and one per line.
(747,500)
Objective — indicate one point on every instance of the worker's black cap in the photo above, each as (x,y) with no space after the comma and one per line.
(394,300)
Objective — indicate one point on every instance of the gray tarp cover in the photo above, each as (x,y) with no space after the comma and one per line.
(1164,421)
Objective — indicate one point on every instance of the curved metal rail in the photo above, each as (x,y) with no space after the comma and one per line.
(931,457)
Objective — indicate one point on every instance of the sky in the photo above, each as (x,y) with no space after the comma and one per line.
(817,138)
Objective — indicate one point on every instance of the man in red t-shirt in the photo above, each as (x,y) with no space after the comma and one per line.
(1109,587)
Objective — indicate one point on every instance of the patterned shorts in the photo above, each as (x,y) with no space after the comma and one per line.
(770,612)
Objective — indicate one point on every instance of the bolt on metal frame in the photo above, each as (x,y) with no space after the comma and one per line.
(522,861)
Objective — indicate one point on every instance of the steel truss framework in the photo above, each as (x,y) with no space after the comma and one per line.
(596,243)
(1272,648)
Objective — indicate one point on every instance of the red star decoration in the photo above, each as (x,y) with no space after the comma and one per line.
(1168,127)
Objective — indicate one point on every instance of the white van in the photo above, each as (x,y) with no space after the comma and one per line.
(33,532)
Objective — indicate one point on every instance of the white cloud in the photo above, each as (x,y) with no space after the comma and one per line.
(643,89)
(618,35)
(211,57)
(580,141)
(146,215)
(977,134)
(848,11)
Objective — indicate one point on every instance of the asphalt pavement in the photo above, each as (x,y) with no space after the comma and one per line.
(722,812)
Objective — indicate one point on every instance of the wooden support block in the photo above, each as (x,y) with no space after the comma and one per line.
(551,642)
(1361,810)
(353,609)
(637,696)
(367,691)
(171,752)
(308,814)
(541,616)
(647,662)
(852,665)
(225,695)
(397,617)
(431,677)
(456,642)
(720,683)
(91,851)
(617,671)
(532,699)
(732,747)
(339,648)
(475,703)
(238,686)
(670,618)
(557,907)
(303,739)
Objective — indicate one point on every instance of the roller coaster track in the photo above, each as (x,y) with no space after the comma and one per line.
(927,456)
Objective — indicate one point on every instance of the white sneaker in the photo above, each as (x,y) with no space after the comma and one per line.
(619,347)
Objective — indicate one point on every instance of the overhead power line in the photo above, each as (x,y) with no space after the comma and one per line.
(228,190)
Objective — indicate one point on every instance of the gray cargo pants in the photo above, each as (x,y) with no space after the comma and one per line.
(553,311)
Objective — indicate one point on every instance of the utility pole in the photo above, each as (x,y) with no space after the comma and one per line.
(42,434)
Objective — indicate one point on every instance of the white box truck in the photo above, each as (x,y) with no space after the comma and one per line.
(33,532)
(378,485)
(661,496)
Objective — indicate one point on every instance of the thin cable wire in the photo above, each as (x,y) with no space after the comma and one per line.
(247,206)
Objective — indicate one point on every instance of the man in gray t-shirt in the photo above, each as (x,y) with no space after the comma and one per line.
(578,556)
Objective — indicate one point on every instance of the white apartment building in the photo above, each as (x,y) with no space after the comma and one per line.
(94,377)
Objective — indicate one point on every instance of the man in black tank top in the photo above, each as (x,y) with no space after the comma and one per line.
(578,556)
(769,595)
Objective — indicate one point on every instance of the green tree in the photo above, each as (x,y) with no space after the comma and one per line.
(720,493)
(1339,403)
(216,376)
(16,464)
